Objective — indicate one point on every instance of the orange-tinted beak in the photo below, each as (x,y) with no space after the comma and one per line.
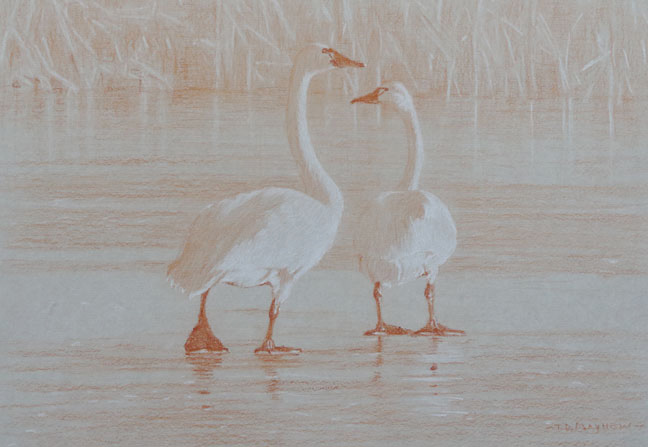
(371,98)
(340,61)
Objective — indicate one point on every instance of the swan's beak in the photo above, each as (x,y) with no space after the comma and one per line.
(371,98)
(340,61)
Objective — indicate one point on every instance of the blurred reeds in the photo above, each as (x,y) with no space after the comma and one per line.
(471,48)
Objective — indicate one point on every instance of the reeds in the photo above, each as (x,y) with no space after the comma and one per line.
(75,44)
(484,48)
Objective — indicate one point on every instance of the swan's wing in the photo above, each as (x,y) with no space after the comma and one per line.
(251,232)
(404,223)
(297,231)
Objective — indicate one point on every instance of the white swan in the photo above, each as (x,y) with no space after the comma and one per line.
(271,236)
(408,233)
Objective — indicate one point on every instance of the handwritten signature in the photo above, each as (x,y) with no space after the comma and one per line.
(594,428)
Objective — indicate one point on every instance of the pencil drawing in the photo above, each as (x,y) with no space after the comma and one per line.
(462,181)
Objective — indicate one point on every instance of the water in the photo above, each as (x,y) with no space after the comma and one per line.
(548,280)
(477,390)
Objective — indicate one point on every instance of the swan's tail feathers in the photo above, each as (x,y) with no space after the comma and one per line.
(190,279)
(183,278)
(171,272)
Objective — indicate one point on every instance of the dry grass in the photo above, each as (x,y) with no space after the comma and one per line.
(487,48)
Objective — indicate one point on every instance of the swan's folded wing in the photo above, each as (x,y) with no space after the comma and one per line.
(251,231)
(212,235)
(403,223)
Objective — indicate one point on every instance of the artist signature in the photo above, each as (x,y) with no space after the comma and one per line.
(594,428)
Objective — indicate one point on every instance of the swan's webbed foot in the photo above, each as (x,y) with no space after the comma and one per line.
(268,347)
(388,329)
(203,339)
(438,329)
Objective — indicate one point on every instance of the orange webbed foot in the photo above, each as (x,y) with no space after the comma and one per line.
(268,347)
(388,329)
(203,339)
(438,330)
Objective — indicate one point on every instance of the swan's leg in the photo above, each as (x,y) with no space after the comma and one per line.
(383,328)
(268,345)
(433,327)
(202,337)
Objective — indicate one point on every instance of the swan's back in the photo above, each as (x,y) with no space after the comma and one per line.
(403,232)
(245,239)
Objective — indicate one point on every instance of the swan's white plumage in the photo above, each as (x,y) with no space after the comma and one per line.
(274,235)
(404,235)
(248,239)
(408,233)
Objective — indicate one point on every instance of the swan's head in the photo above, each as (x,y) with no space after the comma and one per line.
(319,58)
(390,93)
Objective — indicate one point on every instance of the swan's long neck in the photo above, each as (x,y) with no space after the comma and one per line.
(318,183)
(414,166)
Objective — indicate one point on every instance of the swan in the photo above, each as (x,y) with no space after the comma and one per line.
(271,236)
(408,233)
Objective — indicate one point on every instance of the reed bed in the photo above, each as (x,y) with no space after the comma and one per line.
(468,48)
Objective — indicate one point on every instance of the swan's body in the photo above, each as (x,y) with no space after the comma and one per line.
(405,234)
(271,236)
(254,238)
